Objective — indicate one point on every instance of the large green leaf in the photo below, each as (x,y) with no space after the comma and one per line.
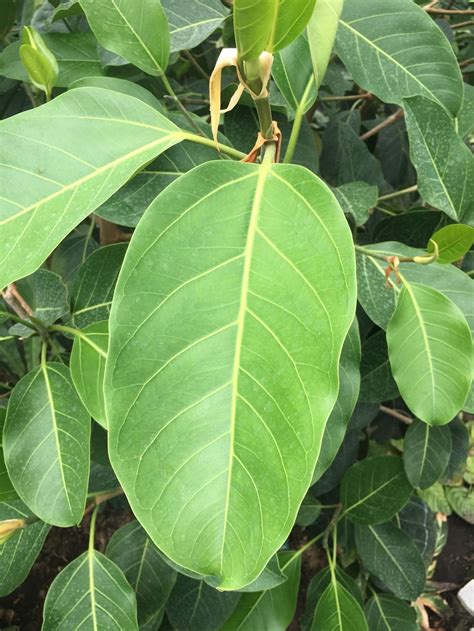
(7,492)
(426,453)
(46,445)
(18,554)
(387,613)
(272,608)
(151,578)
(91,593)
(322,29)
(388,48)
(374,489)
(192,21)
(63,160)
(269,24)
(392,556)
(137,31)
(357,199)
(338,610)
(248,304)
(443,162)
(430,351)
(87,364)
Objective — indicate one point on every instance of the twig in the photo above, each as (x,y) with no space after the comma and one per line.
(349,97)
(16,302)
(405,191)
(388,121)
(466,62)
(395,414)
(100,499)
(196,64)
(110,233)
(462,24)
(431,8)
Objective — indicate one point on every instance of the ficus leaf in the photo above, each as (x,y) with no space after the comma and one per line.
(430,351)
(46,445)
(55,175)
(322,29)
(7,491)
(453,242)
(266,332)
(426,453)
(387,613)
(338,610)
(192,21)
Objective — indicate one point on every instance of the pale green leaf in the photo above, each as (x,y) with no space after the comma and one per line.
(268,25)
(192,21)
(357,199)
(87,364)
(94,285)
(388,49)
(151,578)
(430,351)
(387,613)
(392,556)
(443,162)
(137,31)
(92,594)
(338,610)
(322,29)
(373,490)
(461,500)
(436,498)
(19,553)
(297,88)
(272,608)
(453,242)
(249,301)
(63,160)
(426,453)
(46,445)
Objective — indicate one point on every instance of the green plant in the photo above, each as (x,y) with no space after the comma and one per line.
(230,380)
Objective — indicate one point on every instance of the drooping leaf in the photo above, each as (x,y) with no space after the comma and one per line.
(461,500)
(192,21)
(196,606)
(426,453)
(443,162)
(377,383)
(90,593)
(18,554)
(356,199)
(260,323)
(349,382)
(137,31)
(298,88)
(151,578)
(391,555)
(373,490)
(7,492)
(270,609)
(419,522)
(338,610)
(87,365)
(53,176)
(387,48)
(46,445)
(453,242)
(93,289)
(430,351)
(268,25)
(322,29)
(387,613)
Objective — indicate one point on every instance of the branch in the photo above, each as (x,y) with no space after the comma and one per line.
(16,302)
(349,97)
(386,123)
(395,414)
(431,8)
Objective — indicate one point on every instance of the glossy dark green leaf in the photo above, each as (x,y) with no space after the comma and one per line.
(387,48)
(192,21)
(87,365)
(419,522)
(373,490)
(338,610)
(99,139)
(387,613)
(46,445)
(151,578)
(298,88)
(7,492)
(19,553)
(93,289)
(357,199)
(137,31)
(377,383)
(430,351)
(91,593)
(322,29)
(392,556)
(270,609)
(443,162)
(453,242)
(426,453)
(268,25)
(224,286)
(196,606)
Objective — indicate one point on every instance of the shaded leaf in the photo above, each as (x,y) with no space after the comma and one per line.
(413,228)
(72,252)
(357,199)
(419,522)
(309,511)
(47,296)
(387,613)
(426,453)
(192,21)
(46,445)
(377,383)
(459,448)
(373,490)
(345,457)
(7,492)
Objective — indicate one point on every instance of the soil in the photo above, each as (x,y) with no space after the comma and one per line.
(22,610)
